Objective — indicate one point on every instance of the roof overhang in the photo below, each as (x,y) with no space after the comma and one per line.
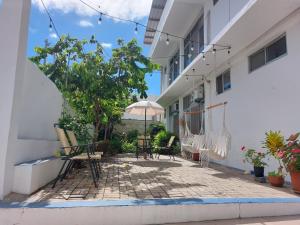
(248,25)
(154,19)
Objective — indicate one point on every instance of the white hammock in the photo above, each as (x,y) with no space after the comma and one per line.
(218,144)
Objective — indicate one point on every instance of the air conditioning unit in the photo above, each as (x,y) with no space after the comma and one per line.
(198,94)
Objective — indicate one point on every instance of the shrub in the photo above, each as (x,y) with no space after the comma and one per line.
(155,128)
(128,147)
(132,136)
(115,144)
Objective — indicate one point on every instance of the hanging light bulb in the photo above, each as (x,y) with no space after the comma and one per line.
(100,19)
(136,28)
(192,47)
(214,51)
(203,57)
(167,40)
(50,26)
(187,78)
(189,55)
(228,50)
(176,61)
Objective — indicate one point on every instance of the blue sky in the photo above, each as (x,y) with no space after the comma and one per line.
(82,24)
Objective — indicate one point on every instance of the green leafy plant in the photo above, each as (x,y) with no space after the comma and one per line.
(274,174)
(274,141)
(155,128)
(290,153)
(128,147)
(97,89)
(254,157)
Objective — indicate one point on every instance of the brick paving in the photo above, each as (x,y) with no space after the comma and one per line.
(129,178)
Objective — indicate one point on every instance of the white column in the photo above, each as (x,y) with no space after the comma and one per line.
(181,57)
(181,116)
(14,18)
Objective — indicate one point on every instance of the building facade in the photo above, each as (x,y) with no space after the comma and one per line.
(244,52)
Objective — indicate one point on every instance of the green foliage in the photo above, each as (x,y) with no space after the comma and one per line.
(78,125)
(115,144)
(274,141)
(128,147)
(96,88)
(132,136)
(274,174)
(255,158)
(155,128)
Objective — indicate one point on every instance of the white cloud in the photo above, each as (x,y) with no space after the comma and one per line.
(85,23)
(106,45)
(127,9)
(53,36)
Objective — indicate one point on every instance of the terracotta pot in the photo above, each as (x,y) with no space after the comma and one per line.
(295,177)
(259,171)
(276,181)
(195,156)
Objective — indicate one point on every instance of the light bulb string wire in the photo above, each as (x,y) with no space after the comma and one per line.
(50,18)
(147,28)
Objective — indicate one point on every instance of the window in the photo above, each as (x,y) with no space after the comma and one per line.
(223,82)
(267,54)
(174,67)
(215,1)
(194,42)
(187,102)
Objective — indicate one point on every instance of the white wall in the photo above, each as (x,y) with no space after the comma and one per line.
(41,106)
(265,99)
(221,14)
(29,102)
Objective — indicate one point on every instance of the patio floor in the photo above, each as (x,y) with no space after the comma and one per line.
(129,178)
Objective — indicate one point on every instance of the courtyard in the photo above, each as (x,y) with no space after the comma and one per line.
(125,177)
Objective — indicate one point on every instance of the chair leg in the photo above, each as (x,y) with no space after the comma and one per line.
(59,174)
(93,173)
(96,168)
(68,168)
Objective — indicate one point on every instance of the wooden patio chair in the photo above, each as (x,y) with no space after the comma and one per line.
(73,153)
(143,145)
(167,149)
(96,156)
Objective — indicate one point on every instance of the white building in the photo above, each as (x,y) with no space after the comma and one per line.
(258,76)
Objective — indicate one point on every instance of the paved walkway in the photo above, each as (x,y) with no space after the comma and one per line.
(128,178)
(283,220)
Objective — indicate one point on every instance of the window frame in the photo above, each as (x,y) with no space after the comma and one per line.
(222,76)
(266,62)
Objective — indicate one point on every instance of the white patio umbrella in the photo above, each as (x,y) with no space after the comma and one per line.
(145,108)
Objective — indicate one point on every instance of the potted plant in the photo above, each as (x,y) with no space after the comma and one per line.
(276,179)
(290,156)
(256,159)
(274,141)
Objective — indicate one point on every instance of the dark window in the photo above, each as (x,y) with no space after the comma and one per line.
(174,67)
(257,59)
(215,1)
(276,49)
(272,51)
(187,102)
(194,42)
(223,82)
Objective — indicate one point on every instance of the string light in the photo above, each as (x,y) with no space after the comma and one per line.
(100,19)
(189,55)
(176,62)
(50,26)
(136,29)
(167,40)
(203,57)
(214,51)
(192,47)
(228,50)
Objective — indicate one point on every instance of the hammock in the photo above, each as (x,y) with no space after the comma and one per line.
(218,144)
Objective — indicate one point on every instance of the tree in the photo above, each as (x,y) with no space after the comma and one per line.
(96,89)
